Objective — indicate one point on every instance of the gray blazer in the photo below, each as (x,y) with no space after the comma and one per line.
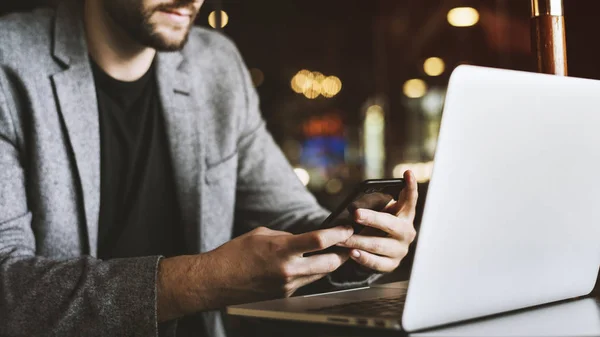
(229,173)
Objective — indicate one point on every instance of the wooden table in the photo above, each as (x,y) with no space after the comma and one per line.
(579,317)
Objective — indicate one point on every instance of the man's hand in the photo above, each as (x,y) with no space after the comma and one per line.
(384,243)
(267,264)
(260,265)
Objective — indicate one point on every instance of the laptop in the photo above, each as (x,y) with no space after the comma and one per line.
(512,216)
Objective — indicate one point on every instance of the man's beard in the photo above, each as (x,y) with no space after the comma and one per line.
(135,21)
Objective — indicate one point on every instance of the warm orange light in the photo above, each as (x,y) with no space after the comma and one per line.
(212,19)
(318,76)
(434,66)
(315,84)
(463,17)
(314,90)
(302,81)
(415,88)
(331,86)
(328,125)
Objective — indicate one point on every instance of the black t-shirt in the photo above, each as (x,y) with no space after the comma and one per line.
(139,214)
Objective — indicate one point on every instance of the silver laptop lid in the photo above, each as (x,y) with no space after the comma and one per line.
(512,217)
(572,318)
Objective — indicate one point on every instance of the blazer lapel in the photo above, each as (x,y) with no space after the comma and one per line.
(76,96)
(182,115)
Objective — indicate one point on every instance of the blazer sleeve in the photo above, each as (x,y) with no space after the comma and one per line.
(270,194)
(76,297)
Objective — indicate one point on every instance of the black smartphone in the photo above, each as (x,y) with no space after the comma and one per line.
(373,194)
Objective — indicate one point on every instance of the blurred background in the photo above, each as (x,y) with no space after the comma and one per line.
(354,90)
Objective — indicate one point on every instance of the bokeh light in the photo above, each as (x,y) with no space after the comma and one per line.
(331,86)
(433,103)
(301,81)
(415,88)
(302,175)
(314,89)
(314,84)
(212,19)
(463,16)
(318,77)
(374,142)
(334,186)
(374,116)
(258,77)
(434,66)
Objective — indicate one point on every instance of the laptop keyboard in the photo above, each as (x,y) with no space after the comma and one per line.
(387,306)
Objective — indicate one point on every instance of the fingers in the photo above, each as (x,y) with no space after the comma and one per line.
(304,280)
(407,201)
(377,245)
(374,262)
(409,196)
(318,240)
(267,231)
(394,226)
(318,264)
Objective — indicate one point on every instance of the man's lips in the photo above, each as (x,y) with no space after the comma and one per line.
(179,11)
(180,16)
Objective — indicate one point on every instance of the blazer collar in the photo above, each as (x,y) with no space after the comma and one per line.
(69,46)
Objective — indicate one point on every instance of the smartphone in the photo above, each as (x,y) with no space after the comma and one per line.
(373,194)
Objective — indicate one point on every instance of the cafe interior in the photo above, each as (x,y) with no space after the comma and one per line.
(354,90)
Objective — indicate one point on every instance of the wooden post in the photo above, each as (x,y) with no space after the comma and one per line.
(218,15)
(548,36)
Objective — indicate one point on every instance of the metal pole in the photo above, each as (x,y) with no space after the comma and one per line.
(548,36)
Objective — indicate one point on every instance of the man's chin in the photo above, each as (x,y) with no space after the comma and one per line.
(167,42)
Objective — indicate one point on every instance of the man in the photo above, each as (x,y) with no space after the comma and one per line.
(130,144)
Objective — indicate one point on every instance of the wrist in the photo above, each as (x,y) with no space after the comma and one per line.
(182,286)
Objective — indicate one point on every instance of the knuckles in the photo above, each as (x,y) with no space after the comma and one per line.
(286,272)
(413,234)
(260,230)
(333,264)
(403,253)
(285,279)
(319,241)
(275,246)
(365,261)
(375,247)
